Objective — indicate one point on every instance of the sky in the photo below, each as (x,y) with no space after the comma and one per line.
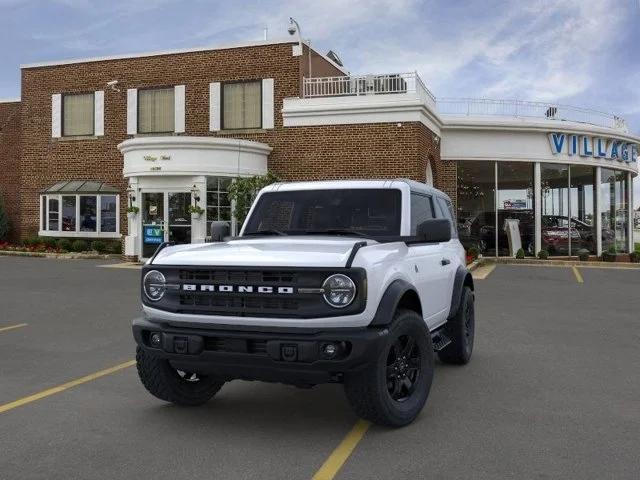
(577,52)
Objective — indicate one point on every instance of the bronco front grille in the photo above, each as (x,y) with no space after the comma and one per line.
(274,293)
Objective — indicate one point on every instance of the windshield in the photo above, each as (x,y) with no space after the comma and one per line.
(367,212)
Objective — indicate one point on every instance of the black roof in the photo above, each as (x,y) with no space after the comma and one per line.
(81,186)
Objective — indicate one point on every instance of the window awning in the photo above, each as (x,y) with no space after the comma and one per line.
(80,187)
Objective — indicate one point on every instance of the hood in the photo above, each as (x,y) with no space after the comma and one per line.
(291,251)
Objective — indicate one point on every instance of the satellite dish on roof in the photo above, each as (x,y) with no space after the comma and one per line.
(334,56)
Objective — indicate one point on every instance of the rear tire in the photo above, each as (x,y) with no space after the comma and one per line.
(393,391)
(461,330)
(171,385)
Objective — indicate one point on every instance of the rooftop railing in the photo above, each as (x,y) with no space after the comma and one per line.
(411,83)
(523,109)
(393,83)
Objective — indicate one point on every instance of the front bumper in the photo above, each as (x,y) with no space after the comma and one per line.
(294,356)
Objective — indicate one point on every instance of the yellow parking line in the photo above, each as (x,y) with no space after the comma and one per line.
(578,275)
(334,463)
(61,388)
(11,327)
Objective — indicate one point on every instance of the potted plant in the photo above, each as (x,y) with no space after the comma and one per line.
(610,255)
(196,211)
(520,254)
(583,255)
(132,211)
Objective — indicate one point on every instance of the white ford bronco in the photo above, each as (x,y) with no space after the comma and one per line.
(352,282)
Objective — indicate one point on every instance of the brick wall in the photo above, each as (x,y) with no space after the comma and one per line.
(9,161)
(299,153)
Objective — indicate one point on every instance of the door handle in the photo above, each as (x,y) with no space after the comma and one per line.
(445,261)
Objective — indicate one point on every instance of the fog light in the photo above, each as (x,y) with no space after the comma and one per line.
(156,340)
(329,350)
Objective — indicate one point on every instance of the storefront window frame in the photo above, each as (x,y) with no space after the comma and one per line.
(45,231)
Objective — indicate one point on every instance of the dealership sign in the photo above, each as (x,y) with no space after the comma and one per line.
(592,146)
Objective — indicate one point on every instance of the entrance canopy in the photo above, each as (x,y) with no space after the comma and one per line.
(81,187)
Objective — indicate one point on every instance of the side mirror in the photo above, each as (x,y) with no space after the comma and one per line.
(219,230)
(436,230)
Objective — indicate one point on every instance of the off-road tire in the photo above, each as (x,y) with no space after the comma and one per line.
(368,391)
(461,331)
(164,382)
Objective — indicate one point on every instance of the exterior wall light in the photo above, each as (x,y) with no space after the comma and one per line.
(131,192)
(195,192)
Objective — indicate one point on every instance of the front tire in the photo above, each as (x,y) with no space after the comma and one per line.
(394,390)
(461,330)
(171,385)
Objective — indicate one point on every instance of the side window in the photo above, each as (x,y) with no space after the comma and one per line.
(421,210)
(447,212)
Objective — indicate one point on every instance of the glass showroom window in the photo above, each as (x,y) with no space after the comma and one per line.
(77,114)
(218,204)
(614,210)
(242,105)
(516,220)
(78,215)
(156,110)
(476,206)
(582,201)
(554,198)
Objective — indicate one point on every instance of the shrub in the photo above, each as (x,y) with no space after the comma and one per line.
(49,242)
(79,246)
(4,221)
(31,241)
(115,248)
(64,244)
(634,257)
(583,254)
(473,252)
(99,246)
(520,254)
(543,254)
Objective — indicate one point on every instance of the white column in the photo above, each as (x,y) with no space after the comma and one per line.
(199,225)
(630,210)
(598,216)
(537,202)
(132,247)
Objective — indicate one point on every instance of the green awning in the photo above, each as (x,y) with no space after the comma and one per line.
(82,187)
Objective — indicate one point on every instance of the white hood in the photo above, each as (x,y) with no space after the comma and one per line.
(290,251)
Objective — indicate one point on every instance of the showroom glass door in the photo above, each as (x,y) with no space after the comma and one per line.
(153,222)
(179,218)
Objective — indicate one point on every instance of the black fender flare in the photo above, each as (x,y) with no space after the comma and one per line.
(389,302)
(463,278)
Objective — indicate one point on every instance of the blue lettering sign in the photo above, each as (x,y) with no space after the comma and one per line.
(586,149)
(624,152)
(573,145)
(557,142)
(601,150)
(153,235)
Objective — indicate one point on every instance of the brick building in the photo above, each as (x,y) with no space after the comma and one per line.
(162,131)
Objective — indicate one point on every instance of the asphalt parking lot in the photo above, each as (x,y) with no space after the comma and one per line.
(553,390)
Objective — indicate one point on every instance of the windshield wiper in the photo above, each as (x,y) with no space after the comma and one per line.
(264,232)
(337,231)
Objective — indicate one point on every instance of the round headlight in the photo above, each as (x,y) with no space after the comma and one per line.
(154,285)
(339,290)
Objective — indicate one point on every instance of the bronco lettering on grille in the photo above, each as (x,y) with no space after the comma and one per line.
(190,287)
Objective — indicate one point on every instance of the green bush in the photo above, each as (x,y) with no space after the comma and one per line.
(634,257)
(30,241)
(583,254)
(79,246)
(520,254)
(5,226)
(49,242)
(473,252)
(543,254)
(64,244)
(115,248)
(99,246)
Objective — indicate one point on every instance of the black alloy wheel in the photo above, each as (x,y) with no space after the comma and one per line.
(403,368)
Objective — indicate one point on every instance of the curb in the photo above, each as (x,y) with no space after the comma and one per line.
(559,263)
(61,256)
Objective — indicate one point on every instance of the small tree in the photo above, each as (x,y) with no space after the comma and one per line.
(243,191)
(4,220)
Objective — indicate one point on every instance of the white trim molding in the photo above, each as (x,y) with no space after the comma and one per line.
(267,103)
(186,155)
(396,108)
(214,106)
(56,115)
